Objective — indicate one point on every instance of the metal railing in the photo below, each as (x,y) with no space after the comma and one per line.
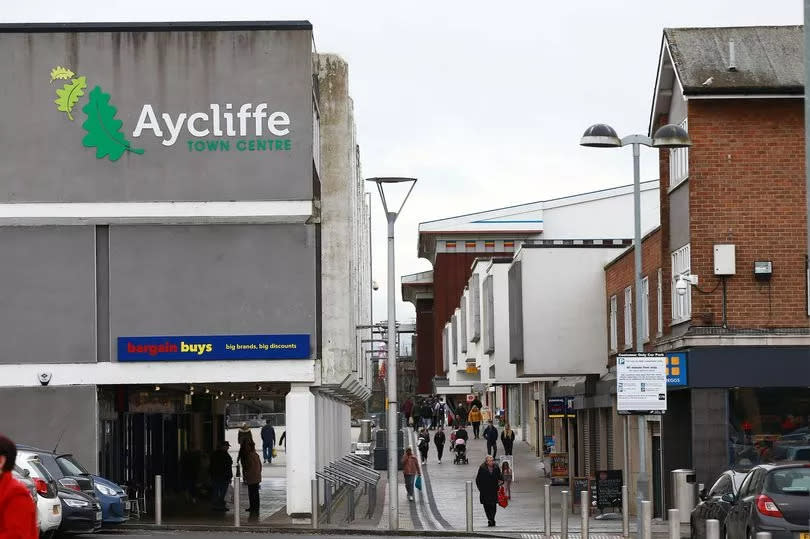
(342,478)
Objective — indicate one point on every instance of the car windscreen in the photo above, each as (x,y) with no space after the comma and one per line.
(39,470)
(70,466)
(789,481)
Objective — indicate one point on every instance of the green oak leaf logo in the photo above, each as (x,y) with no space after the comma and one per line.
(102,127)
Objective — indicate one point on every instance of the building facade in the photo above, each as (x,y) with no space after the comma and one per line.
(172,199)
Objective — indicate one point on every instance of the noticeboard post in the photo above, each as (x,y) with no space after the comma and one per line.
(641,384)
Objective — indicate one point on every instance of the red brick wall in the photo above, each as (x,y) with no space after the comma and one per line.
(425,363)
(619,275)
(747,187)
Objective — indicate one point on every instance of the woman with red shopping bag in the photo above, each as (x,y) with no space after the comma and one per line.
(488,481)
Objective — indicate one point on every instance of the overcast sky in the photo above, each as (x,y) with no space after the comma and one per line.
(484,102)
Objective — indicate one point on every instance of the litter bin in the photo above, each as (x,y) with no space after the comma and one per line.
(684,493)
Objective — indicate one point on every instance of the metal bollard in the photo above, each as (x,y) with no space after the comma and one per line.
(763,535)
(674,517)
(236,509)
(314,494)
(712,529)
(564,517)
(158,500)
(584,513)
(468,488)
(625,513)
(547,511)
(646,520)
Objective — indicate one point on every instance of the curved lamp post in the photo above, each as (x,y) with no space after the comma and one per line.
(669,136)
(391,361)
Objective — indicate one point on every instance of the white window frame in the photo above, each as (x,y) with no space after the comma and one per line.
(628,318)
(679,162)
(660,328)
(614,324)
(681,304)
(645,311)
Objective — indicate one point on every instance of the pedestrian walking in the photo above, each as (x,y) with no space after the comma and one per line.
(475,419)
(461,415)
(244,434)
(220,468)
(283,439)
(410,469)
(491,436)
(252,469)
(439,440)
(438,413)
(427,414)
(506,472)
(407,410)
(18,514)
(268,441)
(488,481)
(508,439)
(424,444)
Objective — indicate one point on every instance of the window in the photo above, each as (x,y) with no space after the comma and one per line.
(645,309)
(681,303)
(475,308)
(628,317)
(679,163)
(614,324)
(454,339)
(723,486)
(660,297)
(462,324)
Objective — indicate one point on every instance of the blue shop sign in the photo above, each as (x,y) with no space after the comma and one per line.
(676,369)
(213,347)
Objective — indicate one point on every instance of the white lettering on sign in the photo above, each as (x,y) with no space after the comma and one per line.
(202,124)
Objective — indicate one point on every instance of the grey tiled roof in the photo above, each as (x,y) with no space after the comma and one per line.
(769,59)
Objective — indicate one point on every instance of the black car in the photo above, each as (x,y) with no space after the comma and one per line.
(773,498)
(79,481)
(80,513)
(712,505)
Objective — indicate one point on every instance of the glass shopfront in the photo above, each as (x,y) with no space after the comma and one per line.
(767,425)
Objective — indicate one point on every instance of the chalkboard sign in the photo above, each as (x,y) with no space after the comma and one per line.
(580,484)
(609,488)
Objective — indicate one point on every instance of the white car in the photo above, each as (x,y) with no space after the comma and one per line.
(49,508)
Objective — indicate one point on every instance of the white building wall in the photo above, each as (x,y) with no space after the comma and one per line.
(564,317)
(579,217)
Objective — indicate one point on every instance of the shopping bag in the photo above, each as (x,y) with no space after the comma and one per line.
(275,454)
(503,501)
(418,482)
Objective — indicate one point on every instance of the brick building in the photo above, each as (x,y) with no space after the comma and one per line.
(741,333)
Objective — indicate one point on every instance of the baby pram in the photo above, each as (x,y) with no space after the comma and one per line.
(460,448)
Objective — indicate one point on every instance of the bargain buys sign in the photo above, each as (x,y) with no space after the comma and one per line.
(213,347)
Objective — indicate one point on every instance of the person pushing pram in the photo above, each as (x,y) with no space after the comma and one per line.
(458,441)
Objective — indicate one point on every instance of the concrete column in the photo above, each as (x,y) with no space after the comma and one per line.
(301,432)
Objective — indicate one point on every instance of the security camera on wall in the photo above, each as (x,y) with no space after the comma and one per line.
(44,378)
(375,285)
(681,286)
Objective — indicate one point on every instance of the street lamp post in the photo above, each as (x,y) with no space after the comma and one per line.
(391,360)
(669,136)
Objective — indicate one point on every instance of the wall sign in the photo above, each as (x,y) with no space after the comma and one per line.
(676,369)
(213,347)
(641,383)
(557,407)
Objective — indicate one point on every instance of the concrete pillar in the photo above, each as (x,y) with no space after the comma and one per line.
(301,444)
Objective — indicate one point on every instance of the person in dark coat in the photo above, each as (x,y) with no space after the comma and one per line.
(488,481)
(407,409)
(221,470)
(439,440)
(491,436)
(252,468)
(268,441)
(508,439)
(424,444)
(461,415)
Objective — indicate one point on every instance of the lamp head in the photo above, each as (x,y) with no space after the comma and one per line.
(600,136)
(671,136)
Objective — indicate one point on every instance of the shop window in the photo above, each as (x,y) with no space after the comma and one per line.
(628,317)
(768,425)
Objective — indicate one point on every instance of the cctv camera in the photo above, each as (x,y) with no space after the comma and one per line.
(44,378)
(681,286)
(375,285)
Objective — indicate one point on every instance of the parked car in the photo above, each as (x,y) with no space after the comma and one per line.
(49,508)
(81,513)
(24,477)
(785,451)
(712,504)
(773,498)
(75,480)
(114,501)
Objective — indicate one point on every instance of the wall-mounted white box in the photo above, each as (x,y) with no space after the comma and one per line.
(724,259)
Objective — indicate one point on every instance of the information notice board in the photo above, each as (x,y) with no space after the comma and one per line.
(641,383)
